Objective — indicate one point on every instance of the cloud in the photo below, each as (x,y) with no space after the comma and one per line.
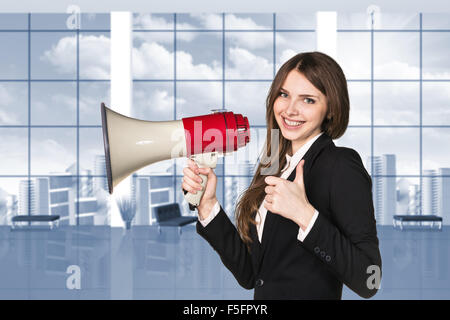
(396,104)
(396,70)
(209,20)
(286,55)
(152,60)
(248,65)
(151,21)
(153,104)
(250,40)
(94,56)
(236,22)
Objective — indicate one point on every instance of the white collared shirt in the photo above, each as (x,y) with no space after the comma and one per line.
(291,164)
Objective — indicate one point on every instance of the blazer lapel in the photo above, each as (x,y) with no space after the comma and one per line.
(272,220)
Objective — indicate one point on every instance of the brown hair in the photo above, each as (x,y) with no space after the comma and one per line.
(327,76)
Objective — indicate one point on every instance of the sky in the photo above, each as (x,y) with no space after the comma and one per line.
(248,55)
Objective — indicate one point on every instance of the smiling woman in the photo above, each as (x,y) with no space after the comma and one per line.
(309,228)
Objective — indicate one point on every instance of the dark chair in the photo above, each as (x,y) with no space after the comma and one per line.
(170,216)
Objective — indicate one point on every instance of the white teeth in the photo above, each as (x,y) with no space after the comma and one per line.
(292,123)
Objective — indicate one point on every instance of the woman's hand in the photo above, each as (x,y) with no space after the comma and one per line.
(191,183)
(288,198)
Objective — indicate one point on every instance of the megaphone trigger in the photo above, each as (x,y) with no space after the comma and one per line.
(203,160)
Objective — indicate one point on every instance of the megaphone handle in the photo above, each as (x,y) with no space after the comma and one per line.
(203,160)
(194,199)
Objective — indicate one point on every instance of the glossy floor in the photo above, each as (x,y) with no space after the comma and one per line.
(143,263)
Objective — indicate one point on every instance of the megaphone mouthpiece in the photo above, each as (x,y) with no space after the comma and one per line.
(106,146)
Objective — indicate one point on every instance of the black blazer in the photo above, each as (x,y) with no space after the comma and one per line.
(338,249)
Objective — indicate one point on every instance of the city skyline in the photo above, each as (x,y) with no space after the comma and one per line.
(57,194)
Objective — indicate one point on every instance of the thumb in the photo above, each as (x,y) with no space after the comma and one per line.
(209,172)
(299,173)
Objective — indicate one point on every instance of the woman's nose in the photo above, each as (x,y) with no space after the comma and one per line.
(292,108)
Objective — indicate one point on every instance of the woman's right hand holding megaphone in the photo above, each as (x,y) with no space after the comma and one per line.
(192,183)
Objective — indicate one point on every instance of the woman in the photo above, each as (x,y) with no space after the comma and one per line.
(309,227)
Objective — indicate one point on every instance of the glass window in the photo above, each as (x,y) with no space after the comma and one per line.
(13,103)
(153,21)
(153,101)
(95,21)
(92,94)
(203,21)
(53,55)
(358,139)
(13,21)
(288,44)
(403,143)
(354,20)
(249,21)
(199,55)
(435,153)
(359,94)
(51,21)
(398,21)
(9,200)
(243,161)
(249,55)
(408,195)
(353,54)
(53,103)
(396,55)
(295,21)
(53,150)
(396,103)
(248,98)
(436,103)
(14,61)
(152,56)
(14,151)
(91,146)
(234,188)
(198,98)
(435,20)
(95,48)
(436,64)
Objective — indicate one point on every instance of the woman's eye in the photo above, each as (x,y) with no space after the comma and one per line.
(309,101)
(281,94)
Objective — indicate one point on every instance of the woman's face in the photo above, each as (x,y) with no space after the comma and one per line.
(299,109)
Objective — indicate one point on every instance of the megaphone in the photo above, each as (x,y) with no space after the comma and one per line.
(131,144)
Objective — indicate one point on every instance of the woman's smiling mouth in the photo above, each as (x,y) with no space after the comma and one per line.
(290,124)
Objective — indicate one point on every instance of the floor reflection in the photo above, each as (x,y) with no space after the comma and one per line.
(147,263)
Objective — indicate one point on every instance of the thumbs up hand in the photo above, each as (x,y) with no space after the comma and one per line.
(288,198)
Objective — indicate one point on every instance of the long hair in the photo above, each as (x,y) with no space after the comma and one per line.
(327,76)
